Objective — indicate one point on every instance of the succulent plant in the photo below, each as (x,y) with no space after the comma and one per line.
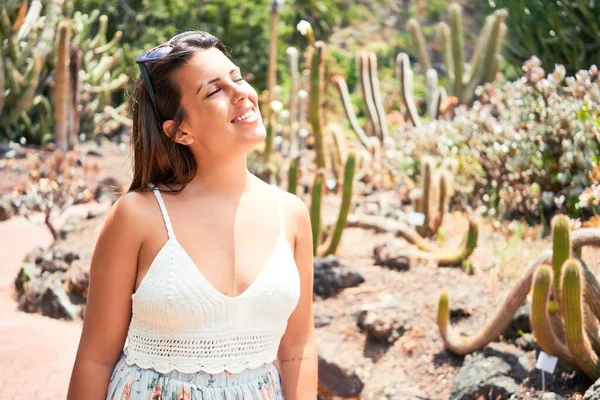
(571,334)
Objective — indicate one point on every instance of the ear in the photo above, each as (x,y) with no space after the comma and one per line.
(180,136)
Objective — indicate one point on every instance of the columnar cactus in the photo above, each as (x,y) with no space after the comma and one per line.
(62,86)
(577,339)
(415,31)
(433,197)
(485,61)
(576,294)
(315,106)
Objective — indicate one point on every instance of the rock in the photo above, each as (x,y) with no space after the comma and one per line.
(28,272)
(331,276)
(526,343)
(552,396)
(56,303)
(78,279)
(323,315)
(6,208)
(593,393)
(107,190)
(491,373)
(519,322)
(46,296)
(392,255)
(335,380)
(43,279)
(382,325)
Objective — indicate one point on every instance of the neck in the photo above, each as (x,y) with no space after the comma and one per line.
(222,177)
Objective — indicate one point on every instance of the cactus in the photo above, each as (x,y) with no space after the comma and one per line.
(331,244)
(485,60)
(366,91)
(271,79)
(316,92)
(62,87)
(293,175)
(405,78)
(561,251)
(315,210)
(577,339)
(347,104)
(432,198)
(415,31)
(541,323)
(292,53)
(578,351)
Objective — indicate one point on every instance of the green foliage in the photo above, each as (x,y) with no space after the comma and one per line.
(558,32)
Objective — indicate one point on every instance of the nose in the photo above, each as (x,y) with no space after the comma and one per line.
(240,93)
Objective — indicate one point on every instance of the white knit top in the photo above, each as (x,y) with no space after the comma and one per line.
(181,322)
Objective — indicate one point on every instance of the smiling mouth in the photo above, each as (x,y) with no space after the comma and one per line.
(248,115)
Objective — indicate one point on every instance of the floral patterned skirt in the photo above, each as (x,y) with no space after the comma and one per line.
(130,382)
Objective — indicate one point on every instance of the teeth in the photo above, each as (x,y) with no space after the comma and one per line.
(244,116)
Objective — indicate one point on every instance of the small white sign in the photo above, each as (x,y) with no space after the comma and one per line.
(416,219)
(546,362)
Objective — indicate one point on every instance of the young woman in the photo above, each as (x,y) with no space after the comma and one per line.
(201,279)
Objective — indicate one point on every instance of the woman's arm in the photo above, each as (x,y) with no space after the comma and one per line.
(297,358)
(108,312)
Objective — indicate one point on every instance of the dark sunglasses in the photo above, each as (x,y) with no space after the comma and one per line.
(156,53)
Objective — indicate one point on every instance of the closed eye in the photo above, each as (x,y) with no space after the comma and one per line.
(219,89)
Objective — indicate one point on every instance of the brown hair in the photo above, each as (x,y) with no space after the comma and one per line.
(158,159)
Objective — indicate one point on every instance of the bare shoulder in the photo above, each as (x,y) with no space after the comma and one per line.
(130,211)
(293,206)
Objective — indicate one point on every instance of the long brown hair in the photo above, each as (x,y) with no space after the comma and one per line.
(157,159)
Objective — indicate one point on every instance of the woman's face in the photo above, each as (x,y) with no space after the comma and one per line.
(222,108)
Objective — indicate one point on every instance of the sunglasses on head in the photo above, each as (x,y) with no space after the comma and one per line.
(156,53)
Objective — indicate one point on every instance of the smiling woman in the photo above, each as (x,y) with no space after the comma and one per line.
(216,312)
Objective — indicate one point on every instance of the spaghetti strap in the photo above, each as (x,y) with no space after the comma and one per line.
(279,211)
(163,210)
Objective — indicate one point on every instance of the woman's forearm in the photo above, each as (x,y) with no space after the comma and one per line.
(299,372)
(89,381)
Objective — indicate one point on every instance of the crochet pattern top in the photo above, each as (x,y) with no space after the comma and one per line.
(181,322)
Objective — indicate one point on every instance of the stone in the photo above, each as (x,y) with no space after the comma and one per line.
(552,396)
(392,255)
(331,277)
(335,380)
(6,208)
(323,315)
(593,393)
(46,296)
(78,280)
(106,191)
(492,374)
(381,324)
(520,322)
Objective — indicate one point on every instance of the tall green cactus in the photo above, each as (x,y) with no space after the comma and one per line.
(577,340)
(315,108)
(331,243)
(62,86)
(405,78)
(316,196)
(485,61)
(415,31)
(561,251)
(578,290)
